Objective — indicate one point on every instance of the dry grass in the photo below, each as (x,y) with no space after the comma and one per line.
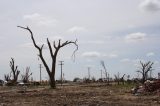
(77,95)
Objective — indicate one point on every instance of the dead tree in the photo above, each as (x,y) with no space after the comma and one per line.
(144,69)
(106,73)
(14,71)
(57,47)
(7,77)
(122,79)
(117,79)
(25,77)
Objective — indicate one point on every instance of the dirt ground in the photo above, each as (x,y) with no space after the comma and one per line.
(75,95)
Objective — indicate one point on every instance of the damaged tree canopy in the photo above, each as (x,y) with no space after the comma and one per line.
(144,69)
(57,47)
(14,70)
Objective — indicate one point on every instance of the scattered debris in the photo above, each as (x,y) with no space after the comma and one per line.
(22,89)
(148,86)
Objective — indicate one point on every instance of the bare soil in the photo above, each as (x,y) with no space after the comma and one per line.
(75,95)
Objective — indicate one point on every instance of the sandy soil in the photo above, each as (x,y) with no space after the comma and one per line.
(77,95)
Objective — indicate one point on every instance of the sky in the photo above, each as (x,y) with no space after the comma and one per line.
(119,32)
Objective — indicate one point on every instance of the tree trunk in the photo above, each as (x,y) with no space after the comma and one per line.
(52,82)
(143,79)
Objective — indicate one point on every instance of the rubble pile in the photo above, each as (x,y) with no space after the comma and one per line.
(151,86)
(148,86)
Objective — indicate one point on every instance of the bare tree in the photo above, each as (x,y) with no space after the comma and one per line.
(14,70)
(122,79)
(7,77)
(106,73)
(25,77)
(117,79)
(144,69)
(57,47)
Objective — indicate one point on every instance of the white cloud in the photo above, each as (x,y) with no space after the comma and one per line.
(125,60)
(150,54)
(150,5)
(40,20)
(112,55)
(94,54)
(133,37)
(91,54)
(76,29)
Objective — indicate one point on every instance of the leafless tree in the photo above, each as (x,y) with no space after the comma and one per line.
(57,47)
(106,73)
(7,77)
(117,79)
(122,79)
(14,70)
(144,69)
(25,77)
(93,79)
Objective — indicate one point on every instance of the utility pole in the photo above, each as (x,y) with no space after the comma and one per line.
(101,74)
(40,67)
(108,79)
(61,64)
(63,78)
(89,73)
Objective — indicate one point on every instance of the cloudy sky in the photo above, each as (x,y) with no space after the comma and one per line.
(119,32)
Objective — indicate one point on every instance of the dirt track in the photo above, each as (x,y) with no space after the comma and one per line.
(84,95)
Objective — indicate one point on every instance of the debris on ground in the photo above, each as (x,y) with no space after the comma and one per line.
(148,86)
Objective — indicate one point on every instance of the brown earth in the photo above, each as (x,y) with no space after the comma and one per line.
(75,95)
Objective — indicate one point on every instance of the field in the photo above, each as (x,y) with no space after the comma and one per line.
(76,95)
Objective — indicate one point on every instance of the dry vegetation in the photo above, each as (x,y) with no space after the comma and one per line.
(76,95)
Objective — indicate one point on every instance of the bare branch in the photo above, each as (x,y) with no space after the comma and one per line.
(54,45)
(66,43)
(123,76)
(74,52)
(27,28)
(59,43)
(42,47)
(50,48)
